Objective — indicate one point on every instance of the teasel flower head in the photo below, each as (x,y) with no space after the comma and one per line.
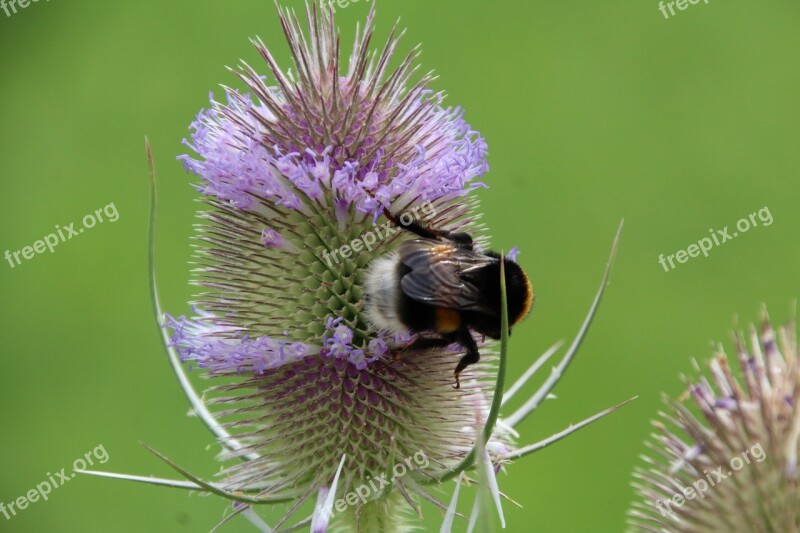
(727,461)
(312,402)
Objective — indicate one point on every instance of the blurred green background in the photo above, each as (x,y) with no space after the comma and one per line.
(593,111)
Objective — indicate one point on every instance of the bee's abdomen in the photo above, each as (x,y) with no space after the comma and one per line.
(415,315)
(389,308)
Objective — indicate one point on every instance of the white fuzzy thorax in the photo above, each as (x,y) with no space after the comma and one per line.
(382,290)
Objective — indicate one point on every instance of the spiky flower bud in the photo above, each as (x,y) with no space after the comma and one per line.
(728,462)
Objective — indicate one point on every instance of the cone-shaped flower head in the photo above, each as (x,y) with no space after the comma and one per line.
(297,173)
(729,461)
(292,172)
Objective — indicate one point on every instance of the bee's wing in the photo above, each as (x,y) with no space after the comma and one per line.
(440,275)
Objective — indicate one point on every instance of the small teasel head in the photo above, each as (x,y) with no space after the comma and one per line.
(724,455)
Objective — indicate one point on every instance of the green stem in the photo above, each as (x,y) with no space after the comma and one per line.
(390,514)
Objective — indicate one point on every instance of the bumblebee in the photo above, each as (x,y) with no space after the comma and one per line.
(439,288)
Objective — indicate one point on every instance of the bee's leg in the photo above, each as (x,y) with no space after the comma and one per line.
(464,338)
(460,238)
(463,240)
(424,343)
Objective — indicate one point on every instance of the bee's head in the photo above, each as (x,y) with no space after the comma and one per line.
(519,295)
